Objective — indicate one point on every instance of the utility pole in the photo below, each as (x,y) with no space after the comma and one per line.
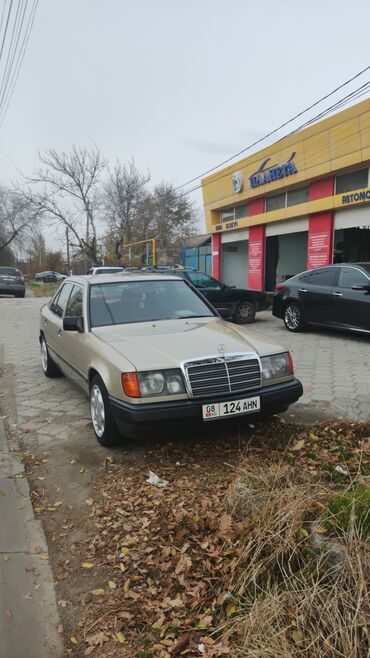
(68,256)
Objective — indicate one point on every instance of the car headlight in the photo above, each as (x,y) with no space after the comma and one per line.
(152,383)
(276,366)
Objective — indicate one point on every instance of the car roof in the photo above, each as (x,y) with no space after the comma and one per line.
(86,279)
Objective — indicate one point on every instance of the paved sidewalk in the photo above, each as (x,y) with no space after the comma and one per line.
(28,612)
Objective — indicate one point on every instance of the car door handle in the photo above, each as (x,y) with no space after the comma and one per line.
(59,332)
(302,290)
(45,321)
(337,294)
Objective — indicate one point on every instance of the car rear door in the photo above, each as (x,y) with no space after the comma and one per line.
(316,295)
(352,307)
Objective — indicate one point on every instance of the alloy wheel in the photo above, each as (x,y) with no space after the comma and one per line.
(292,317)
(44,355)
(244,312)
(97,410)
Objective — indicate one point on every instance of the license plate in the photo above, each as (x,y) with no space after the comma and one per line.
(232,408)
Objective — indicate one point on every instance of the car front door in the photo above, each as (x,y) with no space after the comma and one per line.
(52,325)
(316,295)
(214,290)
(72,342)
(352,306)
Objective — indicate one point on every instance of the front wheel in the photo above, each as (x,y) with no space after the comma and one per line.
(104,425)
(293,317)
(49,367)
(245,313)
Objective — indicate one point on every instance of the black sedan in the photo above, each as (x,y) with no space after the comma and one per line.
(234,304)
(336,296)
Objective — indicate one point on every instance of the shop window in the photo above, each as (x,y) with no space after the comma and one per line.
(323,277)
(228,215)
(299,195)
(355,180)
(275,202)
(241,211)
(351,276)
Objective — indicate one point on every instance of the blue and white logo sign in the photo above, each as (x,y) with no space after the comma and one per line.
(237,181)
(267,174)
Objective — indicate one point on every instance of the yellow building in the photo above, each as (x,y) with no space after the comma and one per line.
(298,204)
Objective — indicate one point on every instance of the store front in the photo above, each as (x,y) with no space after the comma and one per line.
(301,203)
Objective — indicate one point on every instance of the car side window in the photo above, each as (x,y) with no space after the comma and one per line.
(201,280)
(323,276)
(60,301)
(74,305)
(351,276)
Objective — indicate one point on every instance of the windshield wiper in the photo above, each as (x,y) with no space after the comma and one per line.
(186,317)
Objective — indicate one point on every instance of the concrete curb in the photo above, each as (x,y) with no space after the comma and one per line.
(28,612)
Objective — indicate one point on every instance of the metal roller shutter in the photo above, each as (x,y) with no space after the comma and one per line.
(352,218)
(234,263)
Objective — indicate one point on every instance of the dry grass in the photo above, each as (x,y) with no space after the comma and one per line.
(295,598)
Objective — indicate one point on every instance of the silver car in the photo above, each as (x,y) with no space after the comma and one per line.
(149,350)
(12,282)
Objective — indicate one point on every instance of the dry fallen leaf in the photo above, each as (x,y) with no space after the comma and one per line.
(73,640)
(120,637)
(230,609)
(298,445)
(98,592)
(87,565)
(112,584)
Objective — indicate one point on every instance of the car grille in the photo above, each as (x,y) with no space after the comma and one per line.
(218,375)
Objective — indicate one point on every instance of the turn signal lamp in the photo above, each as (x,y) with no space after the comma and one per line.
(130,384)
(290,363)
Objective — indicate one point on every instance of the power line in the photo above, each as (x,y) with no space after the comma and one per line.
(360,91)
(16,71)
(6,29)
(14,39)
(272,132)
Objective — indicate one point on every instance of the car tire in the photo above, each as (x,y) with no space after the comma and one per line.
(245,313)
(293,317)
(104,425)
(49,367)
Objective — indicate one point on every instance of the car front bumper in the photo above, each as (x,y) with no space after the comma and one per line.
(135,420)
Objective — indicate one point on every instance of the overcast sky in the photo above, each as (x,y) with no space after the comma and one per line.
(177,84)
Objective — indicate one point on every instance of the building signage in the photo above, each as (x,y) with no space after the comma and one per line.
(355,197)
(237,181)
(267,174)
(256,257)
(320,240)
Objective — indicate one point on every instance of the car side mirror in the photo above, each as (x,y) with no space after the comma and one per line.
(361,286)
(74,323)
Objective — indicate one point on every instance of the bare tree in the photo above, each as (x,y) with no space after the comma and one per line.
(67,189)
(173,216)
(125,197)
(17,217)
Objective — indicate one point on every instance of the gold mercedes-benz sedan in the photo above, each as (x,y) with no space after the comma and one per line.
(150,350)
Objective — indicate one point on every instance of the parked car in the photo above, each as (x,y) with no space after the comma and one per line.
(49,276)
(336,296)
(12,282)
(104,270)
(149,351)
(236,304)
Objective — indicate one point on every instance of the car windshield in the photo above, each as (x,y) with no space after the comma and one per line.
(125,302)
(11,271)
(108,270)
